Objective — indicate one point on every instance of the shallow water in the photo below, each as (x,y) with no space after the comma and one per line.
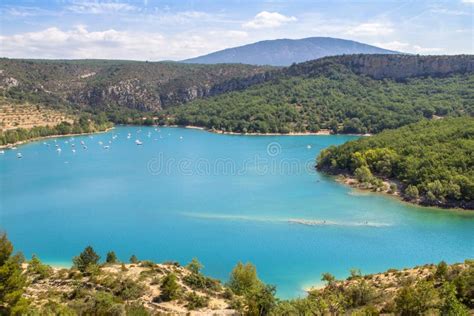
(221,198)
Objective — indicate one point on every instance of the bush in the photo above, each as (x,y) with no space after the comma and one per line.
(416,300)
(194,266)
(170,289)
(243,278)
(40,270)
(127,289)
(195,301)
(111,257)
(136,309)
(86,258)
(133,259)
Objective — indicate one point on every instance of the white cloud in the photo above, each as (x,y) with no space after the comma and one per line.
(394,45)
(408,48)
(100,7)
(448,11)
(426,50)
(267,19)
(370,29)
(79,43)
(467,1)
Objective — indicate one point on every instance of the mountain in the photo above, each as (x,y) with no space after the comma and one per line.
(343,94)
(284,52)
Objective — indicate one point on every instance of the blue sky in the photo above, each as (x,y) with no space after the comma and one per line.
(174,30)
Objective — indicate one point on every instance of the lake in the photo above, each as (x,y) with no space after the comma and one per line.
(188,193)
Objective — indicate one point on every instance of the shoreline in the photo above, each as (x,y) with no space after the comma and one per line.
(26,141)
(322,132)
(397,195)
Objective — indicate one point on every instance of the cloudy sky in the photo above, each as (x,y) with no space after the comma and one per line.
(179,29)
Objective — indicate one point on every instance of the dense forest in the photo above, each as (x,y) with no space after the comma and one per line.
(142,287)
(345,94)
(338,100)
(433,161)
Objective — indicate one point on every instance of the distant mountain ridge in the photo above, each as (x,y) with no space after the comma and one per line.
(284,52)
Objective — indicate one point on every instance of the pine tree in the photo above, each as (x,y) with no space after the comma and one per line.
(85,259)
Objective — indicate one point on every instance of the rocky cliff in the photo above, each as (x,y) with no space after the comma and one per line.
(396,67)
(103,84)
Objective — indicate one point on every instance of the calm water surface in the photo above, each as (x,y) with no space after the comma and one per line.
(221,198)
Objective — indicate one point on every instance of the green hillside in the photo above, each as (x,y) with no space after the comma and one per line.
(432,160)
(111,84)
(348,94)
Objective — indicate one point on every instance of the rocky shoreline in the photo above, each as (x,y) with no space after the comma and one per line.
(349,180)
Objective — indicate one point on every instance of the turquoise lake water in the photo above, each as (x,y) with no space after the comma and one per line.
(221,198)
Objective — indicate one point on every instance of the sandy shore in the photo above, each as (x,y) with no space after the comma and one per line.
(51,136)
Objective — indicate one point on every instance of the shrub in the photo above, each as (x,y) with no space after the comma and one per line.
(133,259)
(416,300)
(195,301)
(194,266)
(40,270)
(136,309)
(86,258)
(170,289)
(111,257)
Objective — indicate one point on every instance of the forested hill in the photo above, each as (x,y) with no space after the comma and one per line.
(346,94)
(284,52)
(433,161)
(105,84)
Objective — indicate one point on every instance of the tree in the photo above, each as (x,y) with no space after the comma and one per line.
(261,300)
(133,259)
(328,278)
(85,259)
(243,278)
(6,248)
(451,305)
(416,300)
(412,192)
(12,280)
(195,266)
(36,267)
(363,174)
(441,271)
(111,257)
(170,289)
